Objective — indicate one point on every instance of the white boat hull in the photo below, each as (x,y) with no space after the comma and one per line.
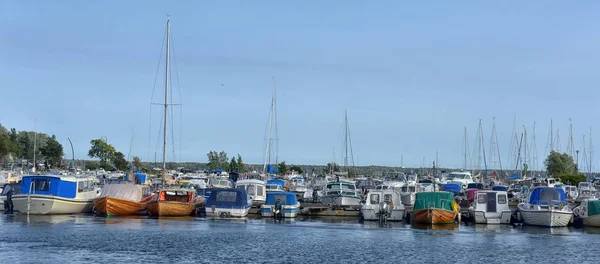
(47,204)
(481,217)
(227,212)
(289,211)
(547,218)
(592,221)
(370,214)
(339,200)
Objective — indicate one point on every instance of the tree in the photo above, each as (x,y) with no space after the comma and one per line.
(103,151)
(282,167)
(240,164)
(223,161)
(233,167)
(572,179)
(53,152)
(137,163)
(119,161)
(213,160)
(557,164)
(335,167)
(297,169)
(7,147)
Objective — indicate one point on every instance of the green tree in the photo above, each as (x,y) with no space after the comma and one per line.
(297,169)
(7,147)
(233,166)
(557,164)
(137,163)
(213,160)
(53,152)
(572,179)
(103,151)
(223,161)
(282,167)
(335,167)
(240,164)
(119,161)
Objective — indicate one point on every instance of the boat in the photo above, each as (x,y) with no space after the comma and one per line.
(273,187)
(589,212)
(219,182)
(298,187)
(464,177)
(254,188)
(586,191)
(383,205)
(547,206)
(341,193)
(455,189)
(490,207)
(16,187)
(120,199)
(434,208)
(408,194)
(228,203)
(571,192)
(172,202)
(289,205)
(55,194)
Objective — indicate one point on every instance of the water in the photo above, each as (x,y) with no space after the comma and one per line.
(89,239)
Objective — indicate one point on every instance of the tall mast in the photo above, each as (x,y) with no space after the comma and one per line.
(558,148)
(534,152)
(166,95)
(465,151)
(570,147)
(591,150)
(272,120)
(346,139)
(551,137)
(34,143)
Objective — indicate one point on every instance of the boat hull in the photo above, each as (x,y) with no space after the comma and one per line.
(48,204)
(113,206)
(170,208)
(547,218)
(371,214)
(592,221)
(227,212)
(433,216)
(289,211)
(481,217)
(341,200)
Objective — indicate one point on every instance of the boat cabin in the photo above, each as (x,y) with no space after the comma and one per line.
(286,198)
(228,198)
(341,187)
(366,184)
(176,195)
(60,186)
(273,188)
(408,189)
(551,182)
(491,207)
(255,188)
(544,196)
(219,182)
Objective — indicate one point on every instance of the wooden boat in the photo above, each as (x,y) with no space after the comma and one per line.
(111,206)
(172,202)
(434,208)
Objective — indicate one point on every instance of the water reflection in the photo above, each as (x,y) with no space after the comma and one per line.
(435,227)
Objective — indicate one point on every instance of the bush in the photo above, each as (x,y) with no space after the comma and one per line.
(572,179)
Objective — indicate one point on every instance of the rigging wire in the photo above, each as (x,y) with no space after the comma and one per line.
(152,97)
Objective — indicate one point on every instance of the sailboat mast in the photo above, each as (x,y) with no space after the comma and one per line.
(166,95)
(346,139)
(34,143)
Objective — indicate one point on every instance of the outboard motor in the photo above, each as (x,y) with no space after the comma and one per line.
(278,210)
(8,204)
(385,211)
(315,195)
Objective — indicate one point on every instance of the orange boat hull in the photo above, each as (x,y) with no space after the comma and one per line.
(170,208)
(113,206)
(433,216)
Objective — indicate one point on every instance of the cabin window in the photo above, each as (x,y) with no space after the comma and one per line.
(374,198)
(502,199)
(42,185)
(229,197)
(482,198)
(387,198)
(251,189)
(260,190)
(548,195)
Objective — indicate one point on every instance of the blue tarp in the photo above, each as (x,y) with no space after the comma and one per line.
(227,197)
(453,188)
(499,188)
(219,171)
(48,185)
(139,178)
(543,195)
(514,176)
(278,182)
(475,185)
(271,169)
(286,198)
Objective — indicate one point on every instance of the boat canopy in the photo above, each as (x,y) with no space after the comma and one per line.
(123,191)
(499,188)
(139,178)
(544,195)
(54,185)
(593,207)
(271,169)
(278,182)
(475,185)
(437,200)
(453,188)
(286,198)
(227,197)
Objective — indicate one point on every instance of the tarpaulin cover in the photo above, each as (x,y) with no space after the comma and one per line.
(544,195)
(593,207)
(123,191)
(437,200)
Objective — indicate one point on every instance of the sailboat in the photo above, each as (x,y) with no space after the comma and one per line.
(170,201)
(271,128)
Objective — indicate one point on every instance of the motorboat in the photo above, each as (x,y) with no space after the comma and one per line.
(121,200)
(55,194)
(490,207)
(589,212)
(228,203)
(219,182)
(364,185)
(341,193)
(172,202)
(571,191)
(254,188)
(434,208)
(16,187)
(298,186)
(551,182)
(280,205)
(547,206)
(383,205)
(408,193)
(464,177)
(270,187)
(586,191)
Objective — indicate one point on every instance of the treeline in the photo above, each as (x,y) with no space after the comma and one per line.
(18,146)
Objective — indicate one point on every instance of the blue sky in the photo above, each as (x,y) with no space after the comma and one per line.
(411,75)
